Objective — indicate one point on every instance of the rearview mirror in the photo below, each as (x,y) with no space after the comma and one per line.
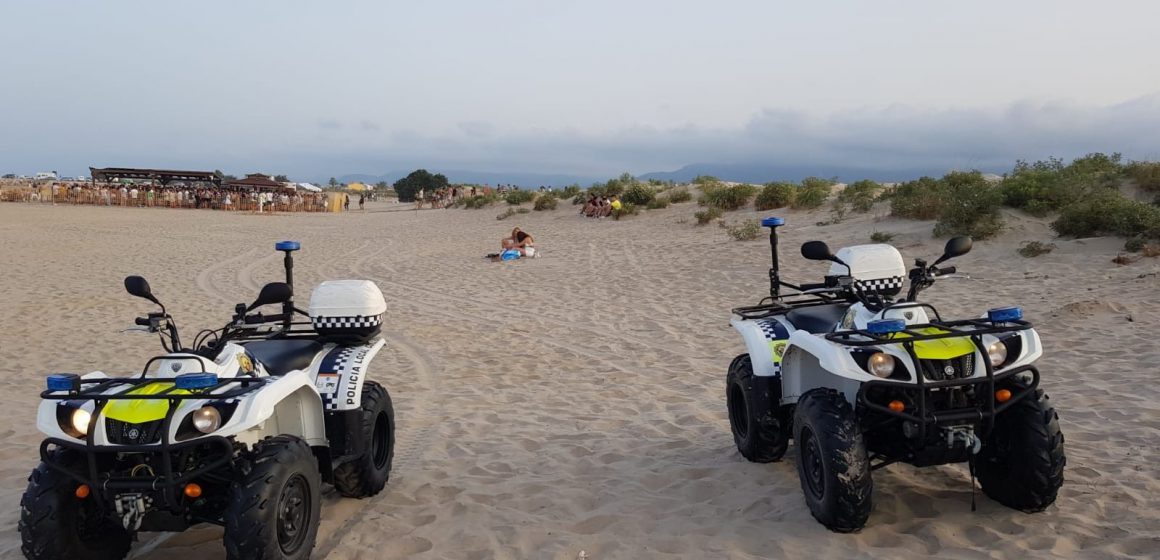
(274,292)
(956,247)
(817,251)
(137,286)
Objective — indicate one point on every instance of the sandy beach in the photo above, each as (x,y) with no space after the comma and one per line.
(573,406)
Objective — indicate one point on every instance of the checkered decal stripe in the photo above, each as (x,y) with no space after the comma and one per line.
(884,285)
(335,364)
(772,329)
(356,322)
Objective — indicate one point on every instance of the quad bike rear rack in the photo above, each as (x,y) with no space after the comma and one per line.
(167,482)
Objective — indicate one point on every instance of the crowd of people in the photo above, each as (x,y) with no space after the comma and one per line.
(172,196)
(601,206)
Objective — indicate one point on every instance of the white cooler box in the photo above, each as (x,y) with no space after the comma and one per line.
(349,311)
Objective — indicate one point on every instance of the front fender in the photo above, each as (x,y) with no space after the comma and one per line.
(287,405)
(811,362)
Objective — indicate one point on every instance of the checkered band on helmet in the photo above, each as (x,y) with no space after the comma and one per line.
(886,286)
(356,322)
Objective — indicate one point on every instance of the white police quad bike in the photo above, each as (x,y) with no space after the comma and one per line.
(860,378)
(239,430)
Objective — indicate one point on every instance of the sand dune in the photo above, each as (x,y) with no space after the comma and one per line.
(575,403)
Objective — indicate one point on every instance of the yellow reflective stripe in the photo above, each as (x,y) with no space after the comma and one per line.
(142,410)
(940,348)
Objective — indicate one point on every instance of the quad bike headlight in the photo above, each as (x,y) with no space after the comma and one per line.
(80,420)
(74,420)
(997,353)
(207,419)
(881,364)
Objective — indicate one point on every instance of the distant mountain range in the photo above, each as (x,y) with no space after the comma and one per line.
(739,172)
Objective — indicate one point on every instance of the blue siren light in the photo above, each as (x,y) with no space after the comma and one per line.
(195,380)
(1005,314)
(886,326)
(772,221)
(63,382)
(287,246)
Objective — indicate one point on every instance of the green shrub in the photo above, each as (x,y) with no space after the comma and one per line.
(523,211)
(707,215)
(638,193)
(702,180)
(480,201)
(1146,174)
(614,187)
(658,203)
(1046,186)
(1108,213)
(747,230)
(506,214)
(812,193)
(881,237)
(1035,248)
(775,195)
(626,209)
(860,195)
(921,199)
(1134,245)
(569,191)
(516,198)
(728,197)
(545,203)
(971,206)
(680,195)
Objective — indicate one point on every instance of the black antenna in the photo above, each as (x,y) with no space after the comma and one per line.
(288,247)
(774,280)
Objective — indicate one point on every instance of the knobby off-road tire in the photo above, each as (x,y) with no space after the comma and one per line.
(1021,463)
(368,474)
(760,430)
(55,524)
(274,507)
(832,462)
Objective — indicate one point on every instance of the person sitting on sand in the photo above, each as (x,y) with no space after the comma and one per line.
(615,205)
(590,207)
(510,241)
(525,244)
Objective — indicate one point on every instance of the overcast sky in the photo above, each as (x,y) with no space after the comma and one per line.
(571,86)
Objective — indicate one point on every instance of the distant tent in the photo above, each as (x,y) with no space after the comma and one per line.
(359,187)
(307,187)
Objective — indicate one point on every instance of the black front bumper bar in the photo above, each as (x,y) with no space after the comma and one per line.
(979,414)
(166,482)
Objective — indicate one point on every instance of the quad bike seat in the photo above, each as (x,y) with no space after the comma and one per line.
(817,319)
(283,356)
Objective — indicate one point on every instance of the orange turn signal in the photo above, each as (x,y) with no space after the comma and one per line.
(897,406)
(83,491)
(1003,395)
(193,490)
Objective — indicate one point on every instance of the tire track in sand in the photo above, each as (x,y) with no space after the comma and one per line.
(206,283)
(500,312)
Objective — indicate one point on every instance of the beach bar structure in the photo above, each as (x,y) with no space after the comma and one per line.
(257,181)
(157,176)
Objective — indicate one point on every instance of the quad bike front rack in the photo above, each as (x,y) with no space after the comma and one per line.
(972,329)
(165,449)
